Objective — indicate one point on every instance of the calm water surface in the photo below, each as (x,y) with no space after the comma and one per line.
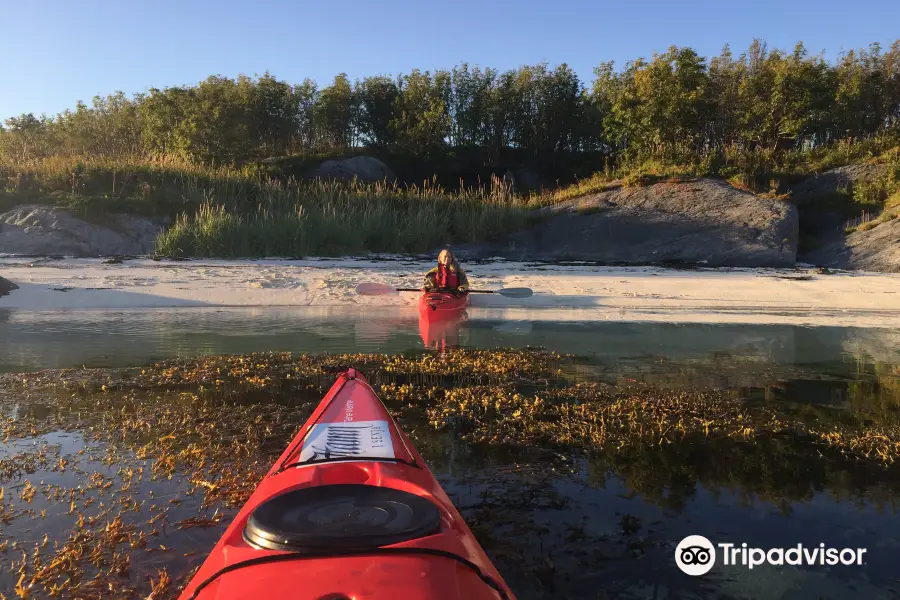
(598,528)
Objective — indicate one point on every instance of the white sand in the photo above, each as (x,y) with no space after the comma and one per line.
(578,292)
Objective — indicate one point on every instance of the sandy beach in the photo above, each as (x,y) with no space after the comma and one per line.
(568,292)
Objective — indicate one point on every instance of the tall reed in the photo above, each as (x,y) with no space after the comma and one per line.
(334,218)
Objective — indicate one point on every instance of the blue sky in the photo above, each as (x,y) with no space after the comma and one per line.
(55,52)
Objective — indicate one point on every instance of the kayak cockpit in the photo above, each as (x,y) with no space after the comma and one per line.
(337,518)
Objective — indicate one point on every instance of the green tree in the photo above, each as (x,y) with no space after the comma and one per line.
(891,67)
(676,107)
(725,77)
(469,105)
(335,114)
(605,94)
(306,98)
(27,137)
(274,113)
(377,100)
(422,119)
(161,113)
(784,98)
(500,121)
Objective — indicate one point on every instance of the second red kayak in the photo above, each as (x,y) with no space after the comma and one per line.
(350,511)
(442,305)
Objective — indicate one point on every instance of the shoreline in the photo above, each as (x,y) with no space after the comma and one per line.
(568,292)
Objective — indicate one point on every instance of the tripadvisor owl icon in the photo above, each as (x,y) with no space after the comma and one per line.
(695,555)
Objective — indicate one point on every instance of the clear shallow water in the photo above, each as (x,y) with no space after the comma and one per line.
(105,338)
(608,526)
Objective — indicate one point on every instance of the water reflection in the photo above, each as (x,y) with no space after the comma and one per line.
(609,529)
(34,340)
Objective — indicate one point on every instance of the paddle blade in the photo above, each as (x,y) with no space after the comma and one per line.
(374,289)
(516,292)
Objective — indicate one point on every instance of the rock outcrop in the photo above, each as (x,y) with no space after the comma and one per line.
(835,181)
(873,249)
(876,249)
(37,230)
(702,222)
(6,286)
(363,168)
(523,181)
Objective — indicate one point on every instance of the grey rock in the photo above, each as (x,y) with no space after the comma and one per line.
(523,181)
(37,230)
(835,181)
(702,222)
(6,286)
(363,168)
(877,249)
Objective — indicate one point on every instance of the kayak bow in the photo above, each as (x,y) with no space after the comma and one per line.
(349,511)
(435,306)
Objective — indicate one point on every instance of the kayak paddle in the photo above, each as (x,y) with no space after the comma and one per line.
(380,289)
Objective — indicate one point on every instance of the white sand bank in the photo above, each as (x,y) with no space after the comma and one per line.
(572,292)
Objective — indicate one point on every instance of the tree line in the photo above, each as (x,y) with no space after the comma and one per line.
(677,107)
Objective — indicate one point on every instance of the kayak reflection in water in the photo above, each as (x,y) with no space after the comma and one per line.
(447,276)
(442,335)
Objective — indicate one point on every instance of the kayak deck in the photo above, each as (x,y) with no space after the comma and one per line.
(351,501)
(442,305)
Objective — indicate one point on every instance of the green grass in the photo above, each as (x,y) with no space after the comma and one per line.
(893,201)
(87,185)
(332,218)
(866,224)
(638,174)
(882,194)
(843,153)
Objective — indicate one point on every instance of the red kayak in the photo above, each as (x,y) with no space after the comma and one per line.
(350,511)
(436,306)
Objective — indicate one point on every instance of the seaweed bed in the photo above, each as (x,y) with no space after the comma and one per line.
(114,483)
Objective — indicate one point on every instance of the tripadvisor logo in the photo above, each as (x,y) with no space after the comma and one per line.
(696,555)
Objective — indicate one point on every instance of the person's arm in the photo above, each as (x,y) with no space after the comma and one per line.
(430,279)
(463,281)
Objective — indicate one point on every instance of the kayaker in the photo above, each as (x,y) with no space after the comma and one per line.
(447,275)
